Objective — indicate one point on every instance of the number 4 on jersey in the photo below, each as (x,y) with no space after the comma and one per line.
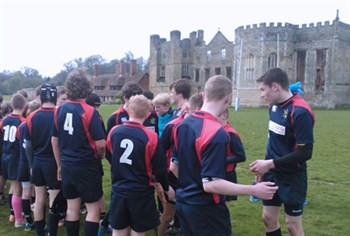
(68,123)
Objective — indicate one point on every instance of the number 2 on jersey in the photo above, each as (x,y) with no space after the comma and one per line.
(129,146)
(68,123)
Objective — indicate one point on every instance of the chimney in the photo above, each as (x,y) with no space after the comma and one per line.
(133,67)
(96,70)
(121,68)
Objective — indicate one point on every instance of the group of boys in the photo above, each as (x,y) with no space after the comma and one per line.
(195,156)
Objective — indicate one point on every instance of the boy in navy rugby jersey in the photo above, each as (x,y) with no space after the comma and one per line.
(78,140)
(236,151)
(42,162)
(11,153)
(137,158)
(24,174)
(289,146)
(201,149)
(181,90)
(121,115)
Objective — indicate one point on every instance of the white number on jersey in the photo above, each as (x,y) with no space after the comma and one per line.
(68,123)
(10,133)
(129,146)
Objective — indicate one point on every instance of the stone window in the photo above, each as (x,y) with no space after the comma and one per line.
(196,78)
(208,55)
(217,70)
(249,67)
(161,77)
(272,61)
(223,53)
(185,53)
(207,73)
(321,56)
(229,72)
(301,62)
(185,70)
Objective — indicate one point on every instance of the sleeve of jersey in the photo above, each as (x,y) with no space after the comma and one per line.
(165,139)
(55,126)
(96,129)
(214,156)
(237,148)
(111,122)
(303,126)
(159,167)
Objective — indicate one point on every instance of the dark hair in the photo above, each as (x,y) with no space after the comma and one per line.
(6,108)
(148,94)
(23,93)
(78,84)
(130,89)
(93,100)
(48,93)
(275,75)
(182,86)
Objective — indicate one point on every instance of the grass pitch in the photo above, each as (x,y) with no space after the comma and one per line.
(328,174)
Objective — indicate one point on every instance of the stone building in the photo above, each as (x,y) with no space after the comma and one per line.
(317,55)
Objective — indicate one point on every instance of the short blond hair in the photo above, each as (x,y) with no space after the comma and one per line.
(139,106)
(161,99)
(217,87)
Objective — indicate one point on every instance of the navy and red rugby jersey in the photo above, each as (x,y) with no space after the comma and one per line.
(291,123)
(151,122)
(117,118)
(22,136)
(40,124)
(167,138)
(236,151)
(136,157)
(77,126)
(9,127)
(201,148)
(1,136)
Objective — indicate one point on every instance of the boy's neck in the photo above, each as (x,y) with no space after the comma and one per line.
(17,112)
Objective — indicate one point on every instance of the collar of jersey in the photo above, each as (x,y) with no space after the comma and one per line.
(204,115)
(133,124)
(292,98)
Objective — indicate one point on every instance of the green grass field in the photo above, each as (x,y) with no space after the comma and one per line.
(328,173)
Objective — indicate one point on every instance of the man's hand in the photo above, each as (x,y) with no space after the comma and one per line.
(260,167)
(265,190)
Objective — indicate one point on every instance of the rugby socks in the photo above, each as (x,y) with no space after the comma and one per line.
(17,208)
(90,228)
(40,227)
(52,223)
(72,227)
(274,233)
(27,211)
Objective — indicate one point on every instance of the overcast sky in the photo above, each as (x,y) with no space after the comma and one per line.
(45,34)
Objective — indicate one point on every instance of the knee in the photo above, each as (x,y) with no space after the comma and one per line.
(270,221)
(294,227)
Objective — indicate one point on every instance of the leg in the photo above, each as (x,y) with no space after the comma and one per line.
(92,217)
(26,194)
(134,233)
(166,217)
(72,216)
(271,218)
(294,225)
(17,200)
(120,232)
(39,208)
(53,217)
